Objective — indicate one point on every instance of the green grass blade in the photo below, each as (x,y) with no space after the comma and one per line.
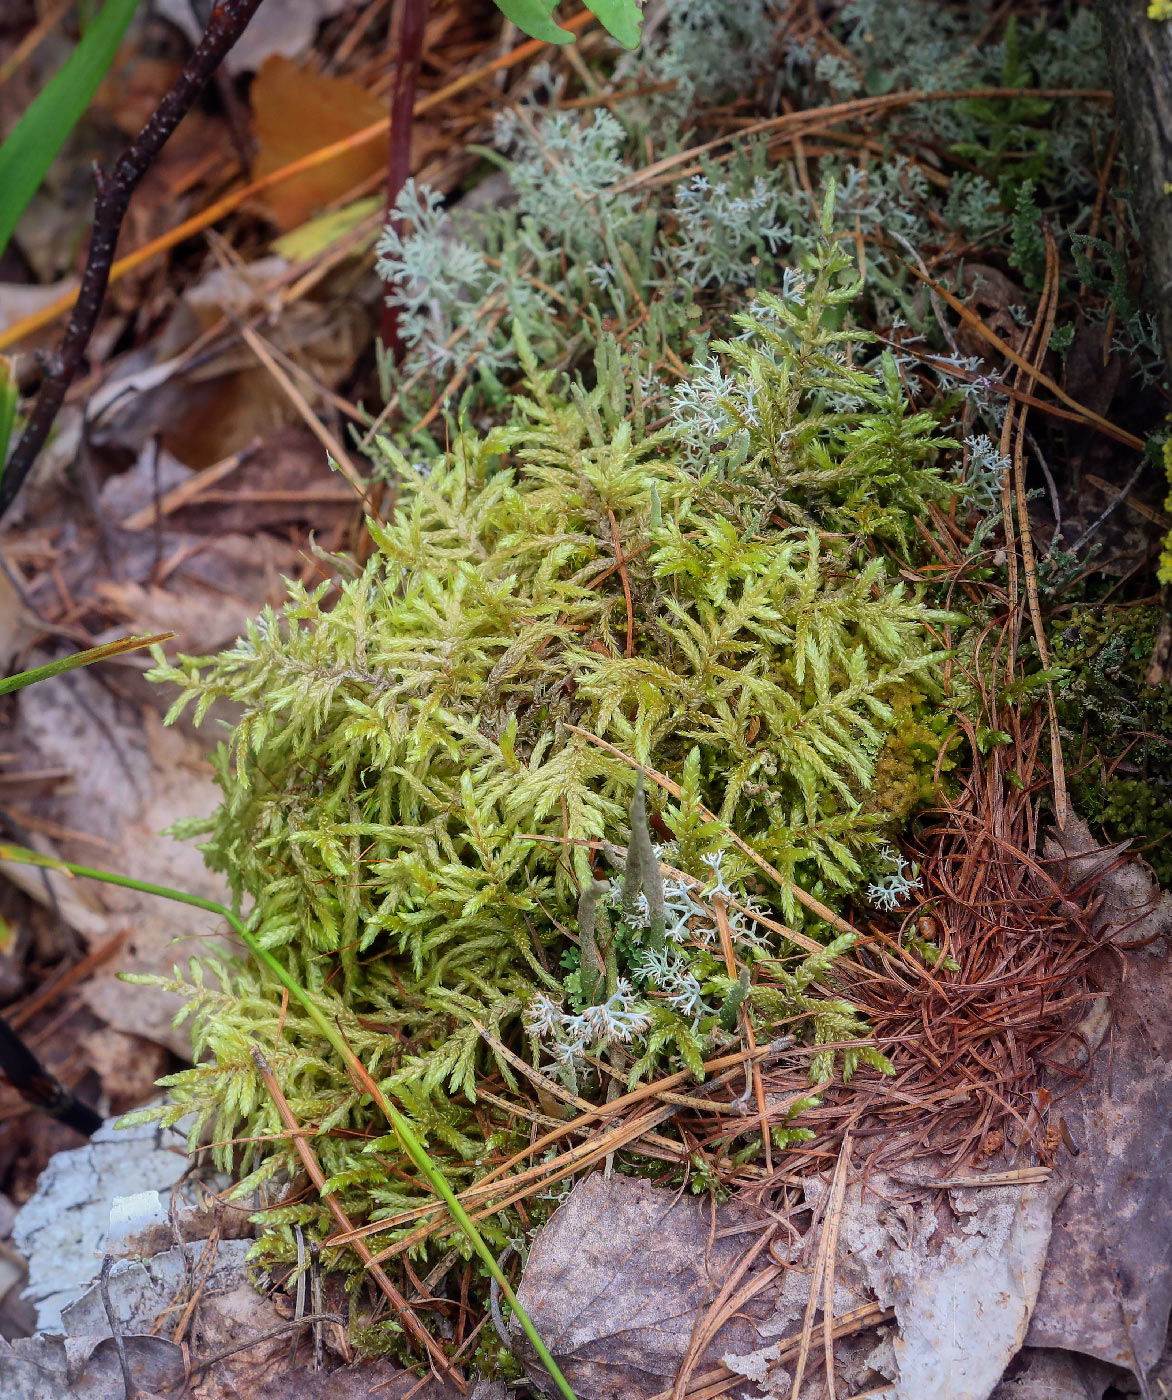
(418,1155)
(8,397)
(79,658)
(414,1148)
(35,140)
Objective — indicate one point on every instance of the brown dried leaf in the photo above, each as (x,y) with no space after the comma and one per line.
(989,293)
(296,111)
(1107,1289)
(615,1280)
(132,780)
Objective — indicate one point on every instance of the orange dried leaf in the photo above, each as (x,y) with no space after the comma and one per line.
(296,111)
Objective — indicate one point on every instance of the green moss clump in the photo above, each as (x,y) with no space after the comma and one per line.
(407,813)
(1164,572)
(1117,729)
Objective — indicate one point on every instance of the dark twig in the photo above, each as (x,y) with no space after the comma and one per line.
(33,1082)
(131,1390)
(114,191)
(407,61)
(1116,502)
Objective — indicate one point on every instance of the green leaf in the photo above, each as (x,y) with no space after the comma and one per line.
(535,17)
(35,140)
(80,658)
(621,17)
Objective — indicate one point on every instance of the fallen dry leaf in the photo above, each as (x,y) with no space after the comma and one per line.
(296,111)
(614,1281)
(131,779)
(1107,1288)
(1041,1374)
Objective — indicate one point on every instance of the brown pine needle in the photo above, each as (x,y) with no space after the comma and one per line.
(317,1176)
(1088,415)
(720,1380)
(621,564)
(823,1277)
(730,963)
(1043,327)
(727,1303)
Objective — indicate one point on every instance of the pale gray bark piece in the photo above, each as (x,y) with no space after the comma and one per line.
(963,1313)
(62,1229)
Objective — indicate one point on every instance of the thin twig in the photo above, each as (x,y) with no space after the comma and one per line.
(38,1087)
(720,1379)
(490,1185)
(1117,500)
(114,190)
(129,1387)
(201,1363)
(338,454)
(811,118)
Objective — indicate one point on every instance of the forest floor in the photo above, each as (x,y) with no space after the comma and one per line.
(188,477)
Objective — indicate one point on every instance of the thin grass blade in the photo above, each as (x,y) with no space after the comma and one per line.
(8,397)
(80,658)
(33,143)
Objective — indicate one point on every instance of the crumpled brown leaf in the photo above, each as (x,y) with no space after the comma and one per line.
(1107,1288)
(616,1280)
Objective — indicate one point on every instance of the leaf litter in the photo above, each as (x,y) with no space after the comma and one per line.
(1090,1219)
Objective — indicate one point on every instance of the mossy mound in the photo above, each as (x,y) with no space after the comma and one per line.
(409,816)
